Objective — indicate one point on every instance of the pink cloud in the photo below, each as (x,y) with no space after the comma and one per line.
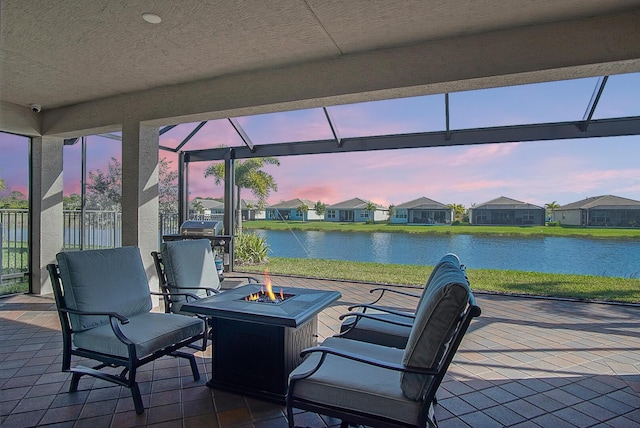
(312,192)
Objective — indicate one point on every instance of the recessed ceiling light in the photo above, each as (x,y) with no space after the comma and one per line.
(151,18)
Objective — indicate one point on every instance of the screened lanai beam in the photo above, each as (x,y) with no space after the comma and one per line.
(446,116)
(119,137)
(593,102)
(538,132)
(166,129)
(243,135)
(111,136)
(334,129)
(190,136)
(183,187)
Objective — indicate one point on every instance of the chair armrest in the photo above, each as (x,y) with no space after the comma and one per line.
(359,315)
(390,290)
(187,295)
(210,291)
(250,279)
(114,318)
(381,309)
(325,350)
(121,318)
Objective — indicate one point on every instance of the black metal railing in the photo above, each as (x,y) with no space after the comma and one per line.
(102,229)
(14,235)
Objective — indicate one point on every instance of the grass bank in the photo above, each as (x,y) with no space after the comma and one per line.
(584,287)
(533,231)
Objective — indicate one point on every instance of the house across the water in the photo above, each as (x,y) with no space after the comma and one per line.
(293,210)
(507,211)
(422,211)
(355,210)
(607,210)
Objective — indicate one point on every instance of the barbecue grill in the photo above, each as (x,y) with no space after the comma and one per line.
(211,230)
(201,229)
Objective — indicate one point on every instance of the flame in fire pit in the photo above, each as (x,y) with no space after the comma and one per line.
(267,283)
(266,294)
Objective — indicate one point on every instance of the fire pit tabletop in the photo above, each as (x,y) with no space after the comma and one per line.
(302,305)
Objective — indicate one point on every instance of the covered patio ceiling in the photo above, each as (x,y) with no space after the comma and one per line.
(74,68)
(92,65)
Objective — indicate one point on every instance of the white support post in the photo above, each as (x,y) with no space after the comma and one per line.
(46,238)
(140,193)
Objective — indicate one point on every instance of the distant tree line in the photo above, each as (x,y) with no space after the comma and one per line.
(104,190)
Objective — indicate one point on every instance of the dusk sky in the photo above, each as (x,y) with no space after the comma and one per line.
(536,172)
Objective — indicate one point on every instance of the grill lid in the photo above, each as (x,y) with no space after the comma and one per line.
(201,228)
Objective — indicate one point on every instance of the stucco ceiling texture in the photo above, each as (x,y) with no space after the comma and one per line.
(62,53)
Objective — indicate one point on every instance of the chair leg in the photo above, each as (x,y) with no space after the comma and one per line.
(137,398)
(290,416)
(194,368)
(75,379)
(192,362)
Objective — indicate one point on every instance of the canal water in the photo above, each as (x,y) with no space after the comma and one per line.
(615,258)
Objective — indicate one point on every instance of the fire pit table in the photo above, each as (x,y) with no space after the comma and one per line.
(256,339)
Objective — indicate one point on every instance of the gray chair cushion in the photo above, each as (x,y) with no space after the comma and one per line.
(91,283)
(360,387)
(448,259)
(149,332)
(436,320)
(189,263)
(380,332)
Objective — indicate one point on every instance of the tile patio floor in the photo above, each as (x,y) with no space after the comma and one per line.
(525,362)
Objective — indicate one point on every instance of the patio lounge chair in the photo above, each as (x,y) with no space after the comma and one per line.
(382,325)
(187,272)
(370,384)
(104,305)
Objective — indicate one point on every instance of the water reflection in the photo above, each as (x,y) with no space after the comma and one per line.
(539,254)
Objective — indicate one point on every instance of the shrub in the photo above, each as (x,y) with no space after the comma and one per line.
(553,223)
(250,249)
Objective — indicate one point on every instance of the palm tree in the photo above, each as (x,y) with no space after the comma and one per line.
(551,207)
(248,175)
(371,207)
(197,207)
(320,208)
(392,211)
(304,209)
(458,211)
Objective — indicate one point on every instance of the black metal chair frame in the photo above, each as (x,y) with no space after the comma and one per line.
(164,285)
(346,328)
(352,417)
(168,295)
(127,377)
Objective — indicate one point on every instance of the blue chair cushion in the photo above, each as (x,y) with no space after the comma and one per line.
(357,386)
(110,280)
(150,332)
(436,321)
(189,263)
(380,331)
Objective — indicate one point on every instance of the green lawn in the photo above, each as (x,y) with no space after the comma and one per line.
(12,258)
(585,287)
(532,283)
(610,233)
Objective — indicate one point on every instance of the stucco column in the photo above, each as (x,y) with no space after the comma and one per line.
(140,192)
(46,238)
